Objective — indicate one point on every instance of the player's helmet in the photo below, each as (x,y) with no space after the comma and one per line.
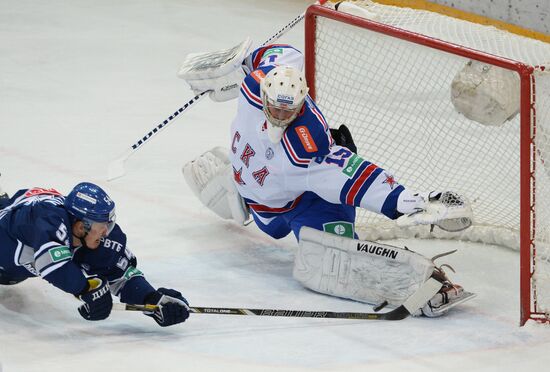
(90,204)
(283,91)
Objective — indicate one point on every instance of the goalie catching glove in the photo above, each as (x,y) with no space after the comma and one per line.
(219,72)
(447,210)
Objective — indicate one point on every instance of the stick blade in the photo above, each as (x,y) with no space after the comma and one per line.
(116,167)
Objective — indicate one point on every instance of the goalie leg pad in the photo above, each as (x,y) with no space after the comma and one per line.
(210,178)
(360,270)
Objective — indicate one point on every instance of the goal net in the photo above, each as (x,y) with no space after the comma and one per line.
(445,104)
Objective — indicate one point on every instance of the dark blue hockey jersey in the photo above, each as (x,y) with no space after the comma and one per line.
(36,240)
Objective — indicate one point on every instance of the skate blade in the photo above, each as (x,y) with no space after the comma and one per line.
(466,296)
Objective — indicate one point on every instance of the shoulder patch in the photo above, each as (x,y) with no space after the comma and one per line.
(306,138)
(257,75)
(60,253)
(131,272)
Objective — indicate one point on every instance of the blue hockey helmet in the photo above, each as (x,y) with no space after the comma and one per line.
(90,204)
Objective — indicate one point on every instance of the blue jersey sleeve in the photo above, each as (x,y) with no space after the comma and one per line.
(308,136)
(52,250)
(250,88)
(115,262)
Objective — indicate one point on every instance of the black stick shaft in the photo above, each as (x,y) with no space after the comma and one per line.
(396,314)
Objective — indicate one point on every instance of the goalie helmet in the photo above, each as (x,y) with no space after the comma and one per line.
(90,204)
(283,92)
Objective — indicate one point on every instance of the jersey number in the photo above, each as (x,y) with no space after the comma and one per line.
(61,232)
(339,157)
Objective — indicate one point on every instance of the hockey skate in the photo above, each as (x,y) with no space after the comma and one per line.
(448,297)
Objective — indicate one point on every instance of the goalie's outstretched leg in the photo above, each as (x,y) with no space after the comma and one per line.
(371,272)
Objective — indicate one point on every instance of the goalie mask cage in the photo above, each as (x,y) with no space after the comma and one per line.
(390,80)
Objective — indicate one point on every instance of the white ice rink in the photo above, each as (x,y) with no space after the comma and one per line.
(80,81)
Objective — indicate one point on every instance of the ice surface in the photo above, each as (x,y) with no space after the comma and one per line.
(80,81)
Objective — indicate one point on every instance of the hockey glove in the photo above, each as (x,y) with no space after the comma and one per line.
(342,137)
(97,300)
(172,309)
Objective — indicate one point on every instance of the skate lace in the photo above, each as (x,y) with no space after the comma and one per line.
(439,273)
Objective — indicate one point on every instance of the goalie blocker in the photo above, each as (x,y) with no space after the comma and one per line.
(370,272)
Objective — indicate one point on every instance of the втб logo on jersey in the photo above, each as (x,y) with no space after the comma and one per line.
(377,250)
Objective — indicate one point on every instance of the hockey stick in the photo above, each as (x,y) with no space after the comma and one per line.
(413,303)
(116,167)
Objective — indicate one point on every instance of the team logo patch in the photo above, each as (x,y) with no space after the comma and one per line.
(353,163)
(390,180)
(257,75)
(60,253)
(341,228)
(272,51)
(306,138)
(269,153)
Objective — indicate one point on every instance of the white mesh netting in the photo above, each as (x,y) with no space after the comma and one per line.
(395,96)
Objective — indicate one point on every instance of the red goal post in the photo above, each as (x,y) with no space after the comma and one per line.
(387,83)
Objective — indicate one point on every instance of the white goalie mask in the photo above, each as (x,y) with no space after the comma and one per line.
(283,92)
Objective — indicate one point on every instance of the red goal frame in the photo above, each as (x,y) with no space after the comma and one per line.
(528,305)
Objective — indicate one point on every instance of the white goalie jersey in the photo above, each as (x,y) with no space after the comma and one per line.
(271,177)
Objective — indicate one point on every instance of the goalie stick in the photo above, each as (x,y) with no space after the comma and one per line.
(413,303)
(116,167)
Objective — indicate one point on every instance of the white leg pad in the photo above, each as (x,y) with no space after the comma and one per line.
(360,270)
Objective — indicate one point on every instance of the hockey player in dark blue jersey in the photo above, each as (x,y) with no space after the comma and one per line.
(74,243)
(293,173)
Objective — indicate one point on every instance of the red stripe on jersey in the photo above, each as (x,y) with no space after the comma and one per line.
(264,208)
(325,125)
(251,95)
(320,117)
(350,198)
(292,153)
